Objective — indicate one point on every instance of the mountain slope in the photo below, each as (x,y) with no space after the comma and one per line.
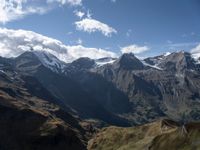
(126,91)
(67,91)
(164,134)
(28,122)
(172,90)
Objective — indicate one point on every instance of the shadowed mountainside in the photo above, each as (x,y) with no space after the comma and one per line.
(28,122)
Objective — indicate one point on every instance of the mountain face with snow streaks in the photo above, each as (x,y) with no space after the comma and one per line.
(129,90)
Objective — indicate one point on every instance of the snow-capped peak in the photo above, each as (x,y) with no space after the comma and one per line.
(50,61)
(152,66)
(166,54)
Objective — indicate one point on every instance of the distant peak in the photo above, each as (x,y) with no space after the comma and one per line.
(128,55)
(180,51)
(129,61)
(178,61)
(84,62)
(42,57)
(180,54)
(27,54)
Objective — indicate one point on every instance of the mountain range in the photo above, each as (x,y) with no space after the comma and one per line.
(50,104)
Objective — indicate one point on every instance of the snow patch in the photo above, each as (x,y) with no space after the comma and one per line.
(50,61)
(196,57)
(104,61)
(152,66)
(166,54)
(2,71)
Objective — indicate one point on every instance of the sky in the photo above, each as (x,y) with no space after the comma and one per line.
(144,27)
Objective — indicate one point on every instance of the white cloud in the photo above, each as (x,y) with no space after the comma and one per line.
(196,51)
(91,25)
(16,42)
(134,49)
(94,53)
(16,9)
(79,14)
(63,2)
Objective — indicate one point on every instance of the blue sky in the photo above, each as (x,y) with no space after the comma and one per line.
(153,26)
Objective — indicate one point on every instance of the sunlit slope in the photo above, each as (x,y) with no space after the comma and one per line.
(160,135)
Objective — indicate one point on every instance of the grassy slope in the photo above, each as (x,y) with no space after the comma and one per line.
(160,135)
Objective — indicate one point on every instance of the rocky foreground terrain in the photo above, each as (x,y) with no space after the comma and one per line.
(48,104)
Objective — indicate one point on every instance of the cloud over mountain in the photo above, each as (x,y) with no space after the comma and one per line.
(136,49)
(196,51)
(15,42)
